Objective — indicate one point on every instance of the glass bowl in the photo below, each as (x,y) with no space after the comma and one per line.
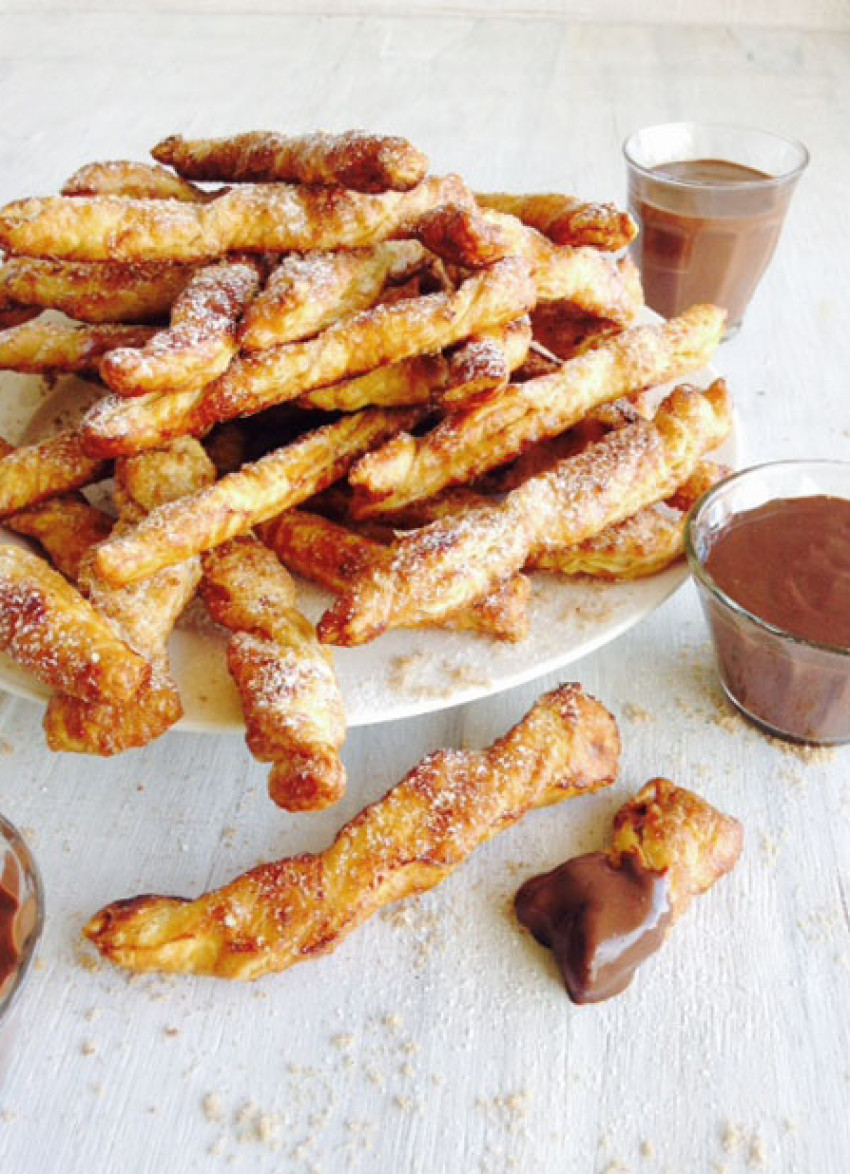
(793,687)
(20,929)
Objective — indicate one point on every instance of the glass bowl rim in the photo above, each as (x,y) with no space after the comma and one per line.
(772,181)
(26,861)
(698,568)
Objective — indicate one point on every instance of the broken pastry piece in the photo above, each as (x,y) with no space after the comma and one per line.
(355,159)
(294,713)
(293,909)
(604,913)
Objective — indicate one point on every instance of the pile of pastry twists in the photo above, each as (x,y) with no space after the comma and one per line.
(315,356)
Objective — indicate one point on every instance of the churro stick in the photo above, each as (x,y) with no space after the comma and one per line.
(604,913)
(294,713)
(138,181)
(641,545)
(47,468)
(96,291)
(39,347)
(465,373)
(451,562)
(200,341)
(50,629)
(330,554)
(566,220)
(593,283)
(143,613)
(355,159)
(308,292)
(466,444)
(383,335)
(404,844)
(253,218)
(177,530)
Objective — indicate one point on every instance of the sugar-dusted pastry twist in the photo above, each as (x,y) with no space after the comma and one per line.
(465,373)
(273,217)
(406,843)
(451,562)
(566,220)
(464,445)
(603,914)
(143,613)
(37,347)
(641,545)
(309,291)
(66,528)
(44,469)
(383,335)
(330,554)
(50,629)
(138,181)
(678,833)
(96,291)
(255,493)
(119,426)
(199,343)
(592,282)
(291,699)
(355,159)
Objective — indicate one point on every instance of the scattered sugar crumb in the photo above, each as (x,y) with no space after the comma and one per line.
(636,714)
(89,1048)
(757,1156)
(732,1138)
(647,1149)
(212,1106)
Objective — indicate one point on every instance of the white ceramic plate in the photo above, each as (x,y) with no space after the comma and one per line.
(403,673)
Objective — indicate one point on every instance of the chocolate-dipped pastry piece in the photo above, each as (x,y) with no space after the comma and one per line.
(602,914)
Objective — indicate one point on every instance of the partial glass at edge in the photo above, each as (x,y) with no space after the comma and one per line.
(15,849)
(702,241)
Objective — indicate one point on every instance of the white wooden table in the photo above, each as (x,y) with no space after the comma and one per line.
(438,1040)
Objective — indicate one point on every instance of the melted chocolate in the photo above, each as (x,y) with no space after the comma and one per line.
(788,562)
(600,922)
(707,236)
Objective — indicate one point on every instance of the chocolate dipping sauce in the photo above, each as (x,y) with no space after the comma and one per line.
(600,922)
(788,564)
(708,229)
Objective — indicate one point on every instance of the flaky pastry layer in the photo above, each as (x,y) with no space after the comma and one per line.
(404,844)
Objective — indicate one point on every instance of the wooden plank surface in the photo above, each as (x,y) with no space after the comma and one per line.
(438,1040)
